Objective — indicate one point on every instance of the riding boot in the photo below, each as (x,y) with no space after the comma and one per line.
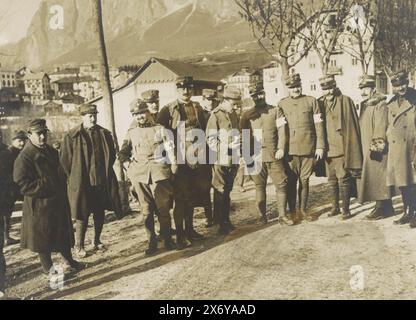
(335,200)
(304,201)
(408,210)
(8,241)
(281,206)
(346,213)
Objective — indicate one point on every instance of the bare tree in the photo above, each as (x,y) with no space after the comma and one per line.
(293,27)
(358,39)
(395,41)
(324,30)
(107,92)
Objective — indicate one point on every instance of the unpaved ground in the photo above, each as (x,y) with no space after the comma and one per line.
(308,261)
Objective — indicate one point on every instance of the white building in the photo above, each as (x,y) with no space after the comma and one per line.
(7,78)
(156,74)
(38,86)
(242,80)
(346,69)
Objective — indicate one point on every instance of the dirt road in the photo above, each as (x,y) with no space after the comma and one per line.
(309,261)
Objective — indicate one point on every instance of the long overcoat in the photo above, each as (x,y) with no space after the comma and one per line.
(4,177)
(169,117)
(401,133)
(373,124)
(349,127)
(46,221)
(74,147)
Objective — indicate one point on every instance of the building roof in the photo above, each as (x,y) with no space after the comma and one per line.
(66,71)
(245,72)
(181,69)
(50,102)
(34,76)
(7,70)
(72,98)
(75,79)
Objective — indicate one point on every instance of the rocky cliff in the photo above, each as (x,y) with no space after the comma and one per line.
(134,29)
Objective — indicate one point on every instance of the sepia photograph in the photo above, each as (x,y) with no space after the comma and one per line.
(207,155)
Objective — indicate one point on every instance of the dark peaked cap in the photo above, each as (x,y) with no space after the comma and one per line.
(37,125)
(293,81)
(399,79)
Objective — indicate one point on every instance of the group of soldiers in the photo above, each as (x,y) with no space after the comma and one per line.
(366,154)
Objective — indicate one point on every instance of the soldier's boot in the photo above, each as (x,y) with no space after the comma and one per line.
(346,213)
(98,229)
(169,244)
(167,237)
(405,218)
(377,213)
(190,232)
(412,221)
(412,206)
(217,208)
(388,209)
(408,214)
(8,241)
(281,207)
(291,195)
(227,210)
(181,242)
(80,232)
(335,200)
(262,209)
(152,246)
(304,202)
(208,211)
(208,215)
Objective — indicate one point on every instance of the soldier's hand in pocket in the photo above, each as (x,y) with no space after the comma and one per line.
(280,154)
(319,154)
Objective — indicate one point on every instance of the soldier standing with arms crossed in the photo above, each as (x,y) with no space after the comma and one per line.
(306,141)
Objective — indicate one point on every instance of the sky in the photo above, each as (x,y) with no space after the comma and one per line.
(15,18)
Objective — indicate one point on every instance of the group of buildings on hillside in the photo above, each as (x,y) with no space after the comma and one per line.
(57,92)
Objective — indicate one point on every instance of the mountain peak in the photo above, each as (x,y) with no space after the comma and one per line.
(133,30)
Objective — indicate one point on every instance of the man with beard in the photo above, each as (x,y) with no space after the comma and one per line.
(18,143)
(344,153)
(373,125)
(190,116)
(401,132)
(150,172)
(151,98)
(88,156)
(306,141)
(267,120)
(46,220)
(223,138)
